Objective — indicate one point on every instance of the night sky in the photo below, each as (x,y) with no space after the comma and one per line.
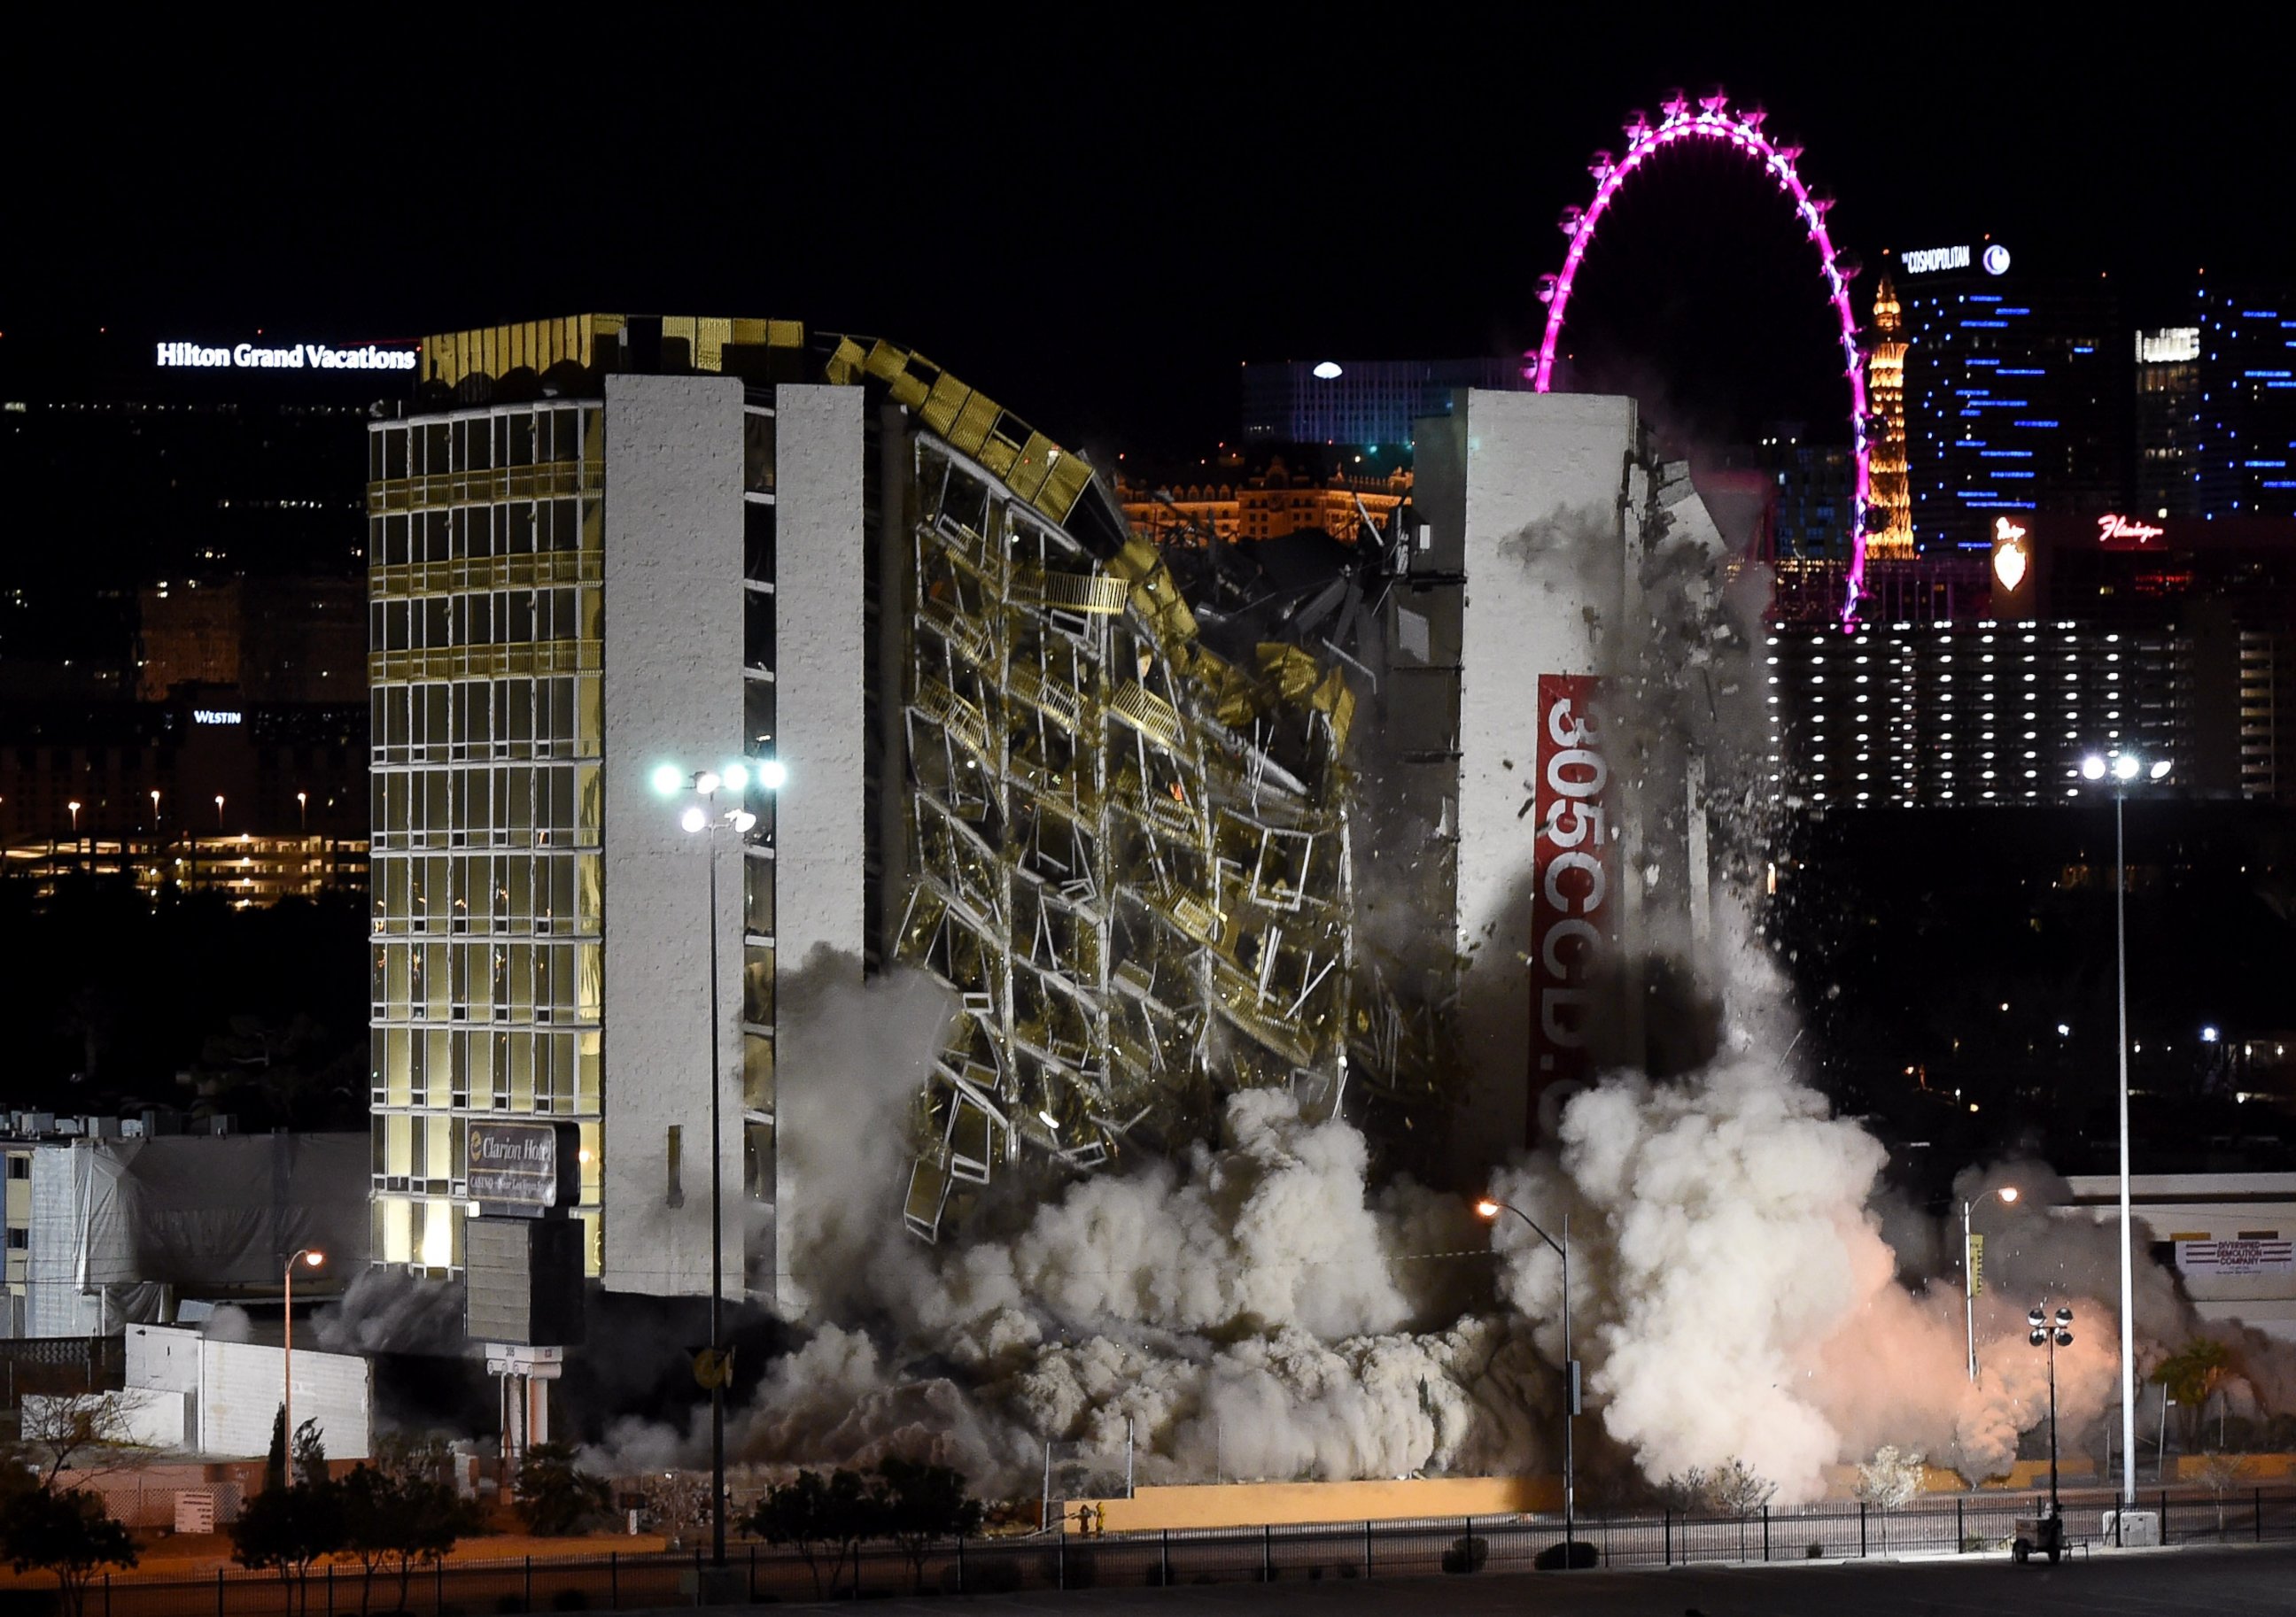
(1096,220)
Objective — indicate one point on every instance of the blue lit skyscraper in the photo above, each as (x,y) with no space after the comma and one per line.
(2018,393)
(2244,454)
(1359,401)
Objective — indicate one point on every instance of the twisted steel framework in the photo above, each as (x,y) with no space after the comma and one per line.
(1715,123)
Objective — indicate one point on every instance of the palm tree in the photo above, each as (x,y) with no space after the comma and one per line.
(2193,1374)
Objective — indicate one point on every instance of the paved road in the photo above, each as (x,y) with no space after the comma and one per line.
(2135,1583)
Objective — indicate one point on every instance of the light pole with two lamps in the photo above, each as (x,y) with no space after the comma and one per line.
(2125,768)
(669,780)
(311,1257)
(1488,1209)
(2007,1193)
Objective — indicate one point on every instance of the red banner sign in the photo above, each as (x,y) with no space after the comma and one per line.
(1572,895)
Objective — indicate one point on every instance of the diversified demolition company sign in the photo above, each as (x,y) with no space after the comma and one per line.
(2246,1256)
(295,356)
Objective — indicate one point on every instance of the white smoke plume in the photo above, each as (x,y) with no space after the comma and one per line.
(1257,1311)
(1257,1308)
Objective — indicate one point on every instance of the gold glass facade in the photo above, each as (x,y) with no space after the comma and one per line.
(485,631)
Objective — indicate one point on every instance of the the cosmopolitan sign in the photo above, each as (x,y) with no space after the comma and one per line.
(1922,261)
(295,356)
(1928,260)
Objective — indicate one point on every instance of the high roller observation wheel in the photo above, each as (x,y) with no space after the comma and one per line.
(1714,123)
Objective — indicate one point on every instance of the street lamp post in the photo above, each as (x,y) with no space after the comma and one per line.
(2125,767)
(311,1257)
(2007,1193)
(706,823)
(1489,1208)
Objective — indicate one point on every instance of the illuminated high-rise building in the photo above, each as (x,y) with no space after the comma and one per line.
(1360,401)
(2168,417)
(2017,392)
(1885,386)
(2244,447)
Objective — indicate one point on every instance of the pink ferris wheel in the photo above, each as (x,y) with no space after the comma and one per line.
(1712,122)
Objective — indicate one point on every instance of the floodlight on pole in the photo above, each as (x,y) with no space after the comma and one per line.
(772,775)
(706,819)
(2053,1334)
(2126,768)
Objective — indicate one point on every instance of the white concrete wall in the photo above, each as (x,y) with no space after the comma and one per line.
(240,1386)
(672,598)
(823,676)
(163,1357)
(226,1394)
(1535,505)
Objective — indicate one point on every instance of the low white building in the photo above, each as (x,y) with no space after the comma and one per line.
(2231,1236)
(220,1399)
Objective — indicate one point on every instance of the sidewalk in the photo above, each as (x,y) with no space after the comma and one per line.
(178,1557)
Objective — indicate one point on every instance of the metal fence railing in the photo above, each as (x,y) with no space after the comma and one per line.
(474,1587)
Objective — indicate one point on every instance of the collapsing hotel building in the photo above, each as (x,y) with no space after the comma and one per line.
(1099,790)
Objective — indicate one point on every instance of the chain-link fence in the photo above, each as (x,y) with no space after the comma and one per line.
(1335,1552)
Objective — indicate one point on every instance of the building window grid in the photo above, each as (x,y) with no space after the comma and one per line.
(486,788)
(2012,746)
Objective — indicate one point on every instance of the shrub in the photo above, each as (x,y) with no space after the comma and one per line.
(554,1495)
(1466,1554)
